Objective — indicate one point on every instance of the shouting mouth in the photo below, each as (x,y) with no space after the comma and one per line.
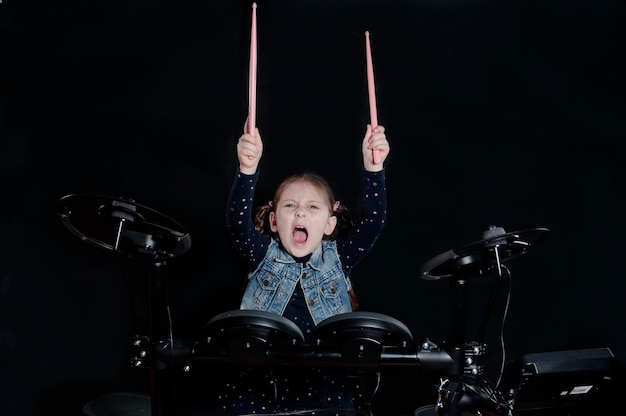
(300,235)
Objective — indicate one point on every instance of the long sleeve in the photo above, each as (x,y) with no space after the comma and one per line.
(248,241)
(369,225)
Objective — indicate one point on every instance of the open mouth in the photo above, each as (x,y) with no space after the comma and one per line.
(300,235)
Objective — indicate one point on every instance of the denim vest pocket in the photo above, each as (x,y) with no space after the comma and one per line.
(333,291)
(265,290)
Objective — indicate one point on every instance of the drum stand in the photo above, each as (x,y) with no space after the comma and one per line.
(124,227)
(463,391)
(453,394)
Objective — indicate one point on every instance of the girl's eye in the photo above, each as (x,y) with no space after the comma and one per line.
(314,207)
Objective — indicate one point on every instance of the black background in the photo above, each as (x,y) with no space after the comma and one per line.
(507,113)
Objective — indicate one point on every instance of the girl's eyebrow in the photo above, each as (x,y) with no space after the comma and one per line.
(316,201)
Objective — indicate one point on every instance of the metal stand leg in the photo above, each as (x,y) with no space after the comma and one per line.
(160,338)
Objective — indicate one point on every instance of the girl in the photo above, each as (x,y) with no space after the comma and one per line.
(300,250)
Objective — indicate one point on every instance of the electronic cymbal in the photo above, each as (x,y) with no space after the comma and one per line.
(481,257)
(122,225)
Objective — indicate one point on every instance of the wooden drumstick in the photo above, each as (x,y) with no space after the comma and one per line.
(371,90)
(252,75)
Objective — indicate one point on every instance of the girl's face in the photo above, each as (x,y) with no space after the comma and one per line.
(301,218)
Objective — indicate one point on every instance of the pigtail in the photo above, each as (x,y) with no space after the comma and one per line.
(344,222)
(262,219)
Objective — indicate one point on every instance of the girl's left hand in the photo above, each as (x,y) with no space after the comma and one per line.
(375,141)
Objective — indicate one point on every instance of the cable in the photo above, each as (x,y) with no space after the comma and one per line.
(172,355)
(481,337)
(377,386)
(494,293)
(504,316)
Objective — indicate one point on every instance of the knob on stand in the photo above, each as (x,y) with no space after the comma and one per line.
(122,226)
(460,391)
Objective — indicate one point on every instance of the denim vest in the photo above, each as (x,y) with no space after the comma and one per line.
(323,282)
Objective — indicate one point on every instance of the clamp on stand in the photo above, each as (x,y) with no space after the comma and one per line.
(467,391)
(122,226)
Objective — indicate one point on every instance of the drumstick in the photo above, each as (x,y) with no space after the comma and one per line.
(252,76)
(371,90)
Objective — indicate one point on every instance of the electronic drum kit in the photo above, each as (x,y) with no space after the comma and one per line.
(358,341)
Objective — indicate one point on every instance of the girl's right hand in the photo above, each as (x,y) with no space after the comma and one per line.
(249,151)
